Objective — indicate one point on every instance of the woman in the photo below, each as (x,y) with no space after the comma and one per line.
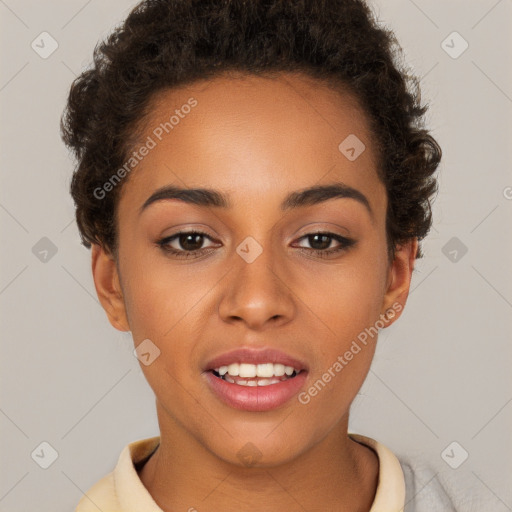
(254,181)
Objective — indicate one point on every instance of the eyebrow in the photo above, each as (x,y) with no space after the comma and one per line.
(214,198)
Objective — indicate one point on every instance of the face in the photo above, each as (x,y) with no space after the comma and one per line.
(264,271)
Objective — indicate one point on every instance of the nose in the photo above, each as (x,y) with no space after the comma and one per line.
(257,293)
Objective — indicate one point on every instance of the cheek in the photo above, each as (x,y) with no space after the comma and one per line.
(161,307)
(157,294)
(346,306)
(345,298)
(166,304)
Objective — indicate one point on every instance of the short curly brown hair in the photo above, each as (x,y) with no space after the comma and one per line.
(169,43)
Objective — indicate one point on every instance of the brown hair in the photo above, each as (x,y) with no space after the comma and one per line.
(170,43)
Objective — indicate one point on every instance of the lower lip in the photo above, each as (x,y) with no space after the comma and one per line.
(255,398)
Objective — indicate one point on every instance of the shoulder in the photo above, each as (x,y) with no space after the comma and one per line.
(101,494)
(433,489)
(122,489)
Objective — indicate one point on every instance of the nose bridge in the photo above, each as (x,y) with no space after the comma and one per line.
(256,291)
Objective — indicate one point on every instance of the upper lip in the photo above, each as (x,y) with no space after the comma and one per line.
(255,356)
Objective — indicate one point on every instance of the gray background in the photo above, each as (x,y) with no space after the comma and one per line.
(441,373)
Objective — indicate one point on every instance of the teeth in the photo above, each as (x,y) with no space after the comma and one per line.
(265,370)
(259,382)
(233,369)
(248,370)
(279,370)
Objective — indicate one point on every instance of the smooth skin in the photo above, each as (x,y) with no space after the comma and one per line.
(256,140)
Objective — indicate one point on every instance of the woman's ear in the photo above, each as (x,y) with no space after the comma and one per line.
(108,287)
(399,280)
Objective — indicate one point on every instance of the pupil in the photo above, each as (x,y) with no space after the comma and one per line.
(184,241)
(324,244)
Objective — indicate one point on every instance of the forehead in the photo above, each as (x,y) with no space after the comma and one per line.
(254,137)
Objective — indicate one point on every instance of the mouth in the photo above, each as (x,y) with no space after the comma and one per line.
(255,380)
(263,374)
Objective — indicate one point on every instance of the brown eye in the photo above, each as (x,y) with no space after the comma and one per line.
(320,243)
(185,244)
(190,241)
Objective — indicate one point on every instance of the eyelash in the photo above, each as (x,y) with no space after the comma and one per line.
(345,244)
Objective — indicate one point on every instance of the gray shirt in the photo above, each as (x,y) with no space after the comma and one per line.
(430,490)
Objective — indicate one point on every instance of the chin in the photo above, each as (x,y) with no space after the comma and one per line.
(258,448)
